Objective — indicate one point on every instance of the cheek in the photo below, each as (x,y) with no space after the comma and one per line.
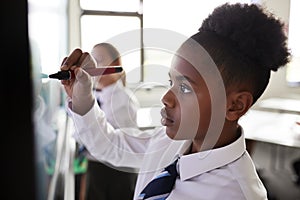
(205,116)
(195,118)
(190,121)
(189,118)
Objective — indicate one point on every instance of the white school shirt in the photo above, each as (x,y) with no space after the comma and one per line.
(120,107)
(225,173)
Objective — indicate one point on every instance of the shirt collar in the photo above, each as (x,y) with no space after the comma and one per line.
(192,165)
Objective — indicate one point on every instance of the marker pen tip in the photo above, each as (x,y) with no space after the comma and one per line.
(44,75)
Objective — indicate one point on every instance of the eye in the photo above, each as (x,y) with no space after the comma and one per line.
(184,88)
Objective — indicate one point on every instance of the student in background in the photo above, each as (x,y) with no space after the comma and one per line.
(216,75)
(102,180)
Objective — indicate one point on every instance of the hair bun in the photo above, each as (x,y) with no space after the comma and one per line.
(257,35)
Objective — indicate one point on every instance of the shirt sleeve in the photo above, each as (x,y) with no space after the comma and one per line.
(119,106)
(120,147)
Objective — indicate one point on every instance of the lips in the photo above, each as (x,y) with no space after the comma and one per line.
(165,120)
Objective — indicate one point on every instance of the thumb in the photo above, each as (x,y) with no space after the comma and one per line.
(82,99)
(82,76)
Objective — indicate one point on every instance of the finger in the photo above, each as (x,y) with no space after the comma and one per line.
(62,63)
(87,61)
(84,60)
(72,59)
(82,76)
(63,67)
(65,82)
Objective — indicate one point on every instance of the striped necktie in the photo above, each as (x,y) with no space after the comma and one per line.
(97,97)
(161,186)
(99,103)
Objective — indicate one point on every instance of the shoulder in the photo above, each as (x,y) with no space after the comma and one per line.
(244,173)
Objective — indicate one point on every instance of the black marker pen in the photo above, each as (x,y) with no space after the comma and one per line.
(69,74)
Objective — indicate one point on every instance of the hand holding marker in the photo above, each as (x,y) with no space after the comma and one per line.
(69,74)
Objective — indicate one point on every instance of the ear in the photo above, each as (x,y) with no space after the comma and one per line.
(238,103)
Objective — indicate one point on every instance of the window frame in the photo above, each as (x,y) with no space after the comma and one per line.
(137,14)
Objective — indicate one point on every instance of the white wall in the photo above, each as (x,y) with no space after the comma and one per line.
(278,86)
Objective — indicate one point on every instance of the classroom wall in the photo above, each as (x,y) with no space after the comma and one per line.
(278,86)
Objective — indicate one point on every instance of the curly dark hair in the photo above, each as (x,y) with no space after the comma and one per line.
(246,43)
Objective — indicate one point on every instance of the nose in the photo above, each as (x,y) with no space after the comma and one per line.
(169,99)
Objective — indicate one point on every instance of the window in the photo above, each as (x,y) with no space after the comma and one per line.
(106,20)
(111,5)
(113,29)
(113,21)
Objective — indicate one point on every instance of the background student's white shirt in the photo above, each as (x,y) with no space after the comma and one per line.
(119,105)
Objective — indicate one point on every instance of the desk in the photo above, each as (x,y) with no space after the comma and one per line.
(283,105)
(272,127)
(275,128)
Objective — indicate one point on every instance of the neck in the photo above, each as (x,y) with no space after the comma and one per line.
(229,134)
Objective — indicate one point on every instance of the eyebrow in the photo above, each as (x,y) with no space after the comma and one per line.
(183,78)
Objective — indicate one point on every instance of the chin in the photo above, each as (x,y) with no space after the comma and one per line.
(172,134)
